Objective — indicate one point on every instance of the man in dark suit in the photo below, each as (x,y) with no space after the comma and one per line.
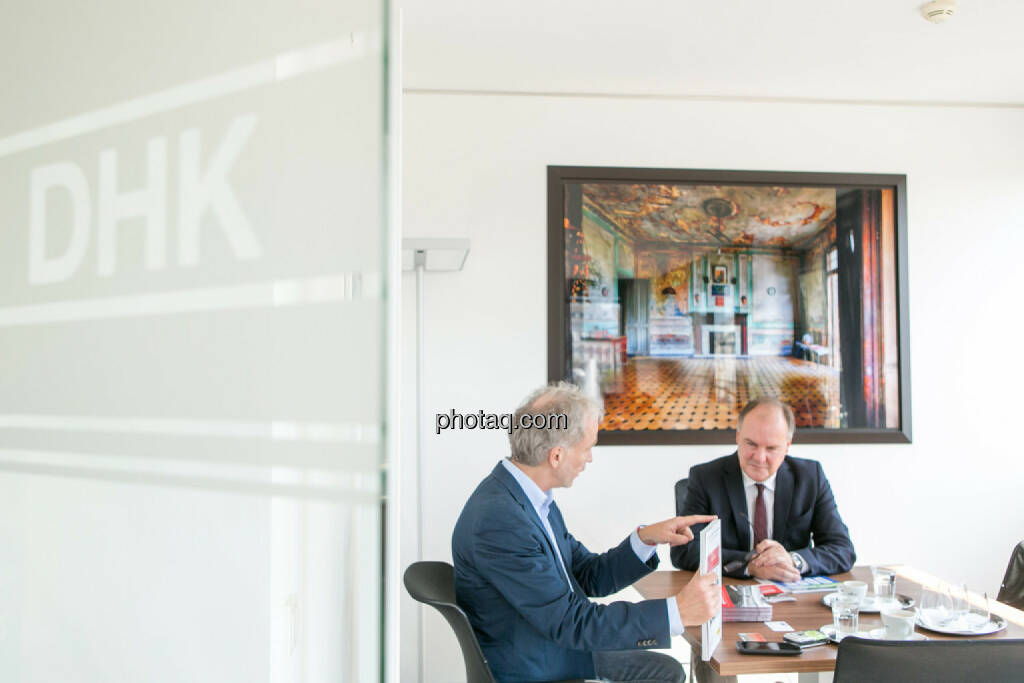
(524,581)
(770,503)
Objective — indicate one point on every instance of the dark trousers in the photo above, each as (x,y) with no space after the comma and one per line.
(637,666)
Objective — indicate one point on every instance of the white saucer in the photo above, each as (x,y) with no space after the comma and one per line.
(879,634)
(830,632)
(868,604)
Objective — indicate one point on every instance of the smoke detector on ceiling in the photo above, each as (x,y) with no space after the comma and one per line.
(938,11)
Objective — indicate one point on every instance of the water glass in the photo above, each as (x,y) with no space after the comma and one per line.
(885,585)
(978,614)
(935,608)
(846,615)
(959,605)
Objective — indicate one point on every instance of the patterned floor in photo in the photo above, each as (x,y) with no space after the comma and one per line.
(708,393)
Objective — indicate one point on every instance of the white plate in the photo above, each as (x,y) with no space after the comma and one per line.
(875,634)
(995,623)
(879,634)
(830,632)
(868,604)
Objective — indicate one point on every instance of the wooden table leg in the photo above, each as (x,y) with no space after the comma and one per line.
(703,673)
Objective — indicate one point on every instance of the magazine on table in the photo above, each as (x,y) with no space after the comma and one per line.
(745,603)
(808,584)
(711,561)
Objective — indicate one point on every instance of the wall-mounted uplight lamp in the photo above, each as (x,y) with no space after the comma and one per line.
(422,255)
(434,254)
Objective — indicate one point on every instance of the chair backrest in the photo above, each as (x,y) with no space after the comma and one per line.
(433,583)
(933,661)
(1012,590)
(682,487)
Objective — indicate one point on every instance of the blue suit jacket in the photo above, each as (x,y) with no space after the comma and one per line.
(530,626)
(805,520)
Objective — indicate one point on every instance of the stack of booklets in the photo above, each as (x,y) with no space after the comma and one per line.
(745,603)
(810,584)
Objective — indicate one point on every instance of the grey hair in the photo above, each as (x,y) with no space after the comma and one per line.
(787,412)
(530,446)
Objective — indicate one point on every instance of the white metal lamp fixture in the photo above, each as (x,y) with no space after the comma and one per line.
(435,254)
(421,255)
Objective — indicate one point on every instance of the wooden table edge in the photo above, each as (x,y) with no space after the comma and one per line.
(769,664)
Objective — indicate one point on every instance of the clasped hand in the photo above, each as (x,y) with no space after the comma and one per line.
(773,562)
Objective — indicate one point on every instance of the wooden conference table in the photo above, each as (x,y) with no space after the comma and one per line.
(806,613)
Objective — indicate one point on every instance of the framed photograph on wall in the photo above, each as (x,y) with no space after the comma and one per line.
(736,284)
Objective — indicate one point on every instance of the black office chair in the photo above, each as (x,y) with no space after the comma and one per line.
(682,488)
(933,661)
(433,583)
(1012,590)
(676,553)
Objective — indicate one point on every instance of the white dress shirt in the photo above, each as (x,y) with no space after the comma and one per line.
(750,490)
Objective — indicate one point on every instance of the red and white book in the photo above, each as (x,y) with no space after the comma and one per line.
(711,562)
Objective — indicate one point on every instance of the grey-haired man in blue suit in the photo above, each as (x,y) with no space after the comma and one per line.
(525,582)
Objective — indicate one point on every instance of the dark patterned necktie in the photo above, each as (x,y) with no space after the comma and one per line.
(760,517)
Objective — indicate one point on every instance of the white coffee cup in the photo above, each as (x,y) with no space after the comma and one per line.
(857,589)
(899,623)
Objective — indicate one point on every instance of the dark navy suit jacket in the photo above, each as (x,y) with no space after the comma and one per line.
(805,520)
(509,582)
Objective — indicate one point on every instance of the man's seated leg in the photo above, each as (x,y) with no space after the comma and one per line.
(638,666)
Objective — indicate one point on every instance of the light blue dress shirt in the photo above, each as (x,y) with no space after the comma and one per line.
(542,500)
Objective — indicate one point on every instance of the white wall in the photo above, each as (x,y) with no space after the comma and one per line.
(474,166)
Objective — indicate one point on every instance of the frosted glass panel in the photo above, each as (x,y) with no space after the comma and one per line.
(192,305)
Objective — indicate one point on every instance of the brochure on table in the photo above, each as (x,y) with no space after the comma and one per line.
(711,561)
(808,584)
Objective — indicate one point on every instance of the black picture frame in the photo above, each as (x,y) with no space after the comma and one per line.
(891,251)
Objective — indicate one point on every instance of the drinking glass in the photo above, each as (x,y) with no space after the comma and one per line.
(935,609)
(885,586)
(959,605)
(845,615)
(978,614)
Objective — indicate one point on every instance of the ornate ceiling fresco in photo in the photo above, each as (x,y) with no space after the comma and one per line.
(782,217)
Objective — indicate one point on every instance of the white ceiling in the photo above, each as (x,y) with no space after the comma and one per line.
(817,49)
